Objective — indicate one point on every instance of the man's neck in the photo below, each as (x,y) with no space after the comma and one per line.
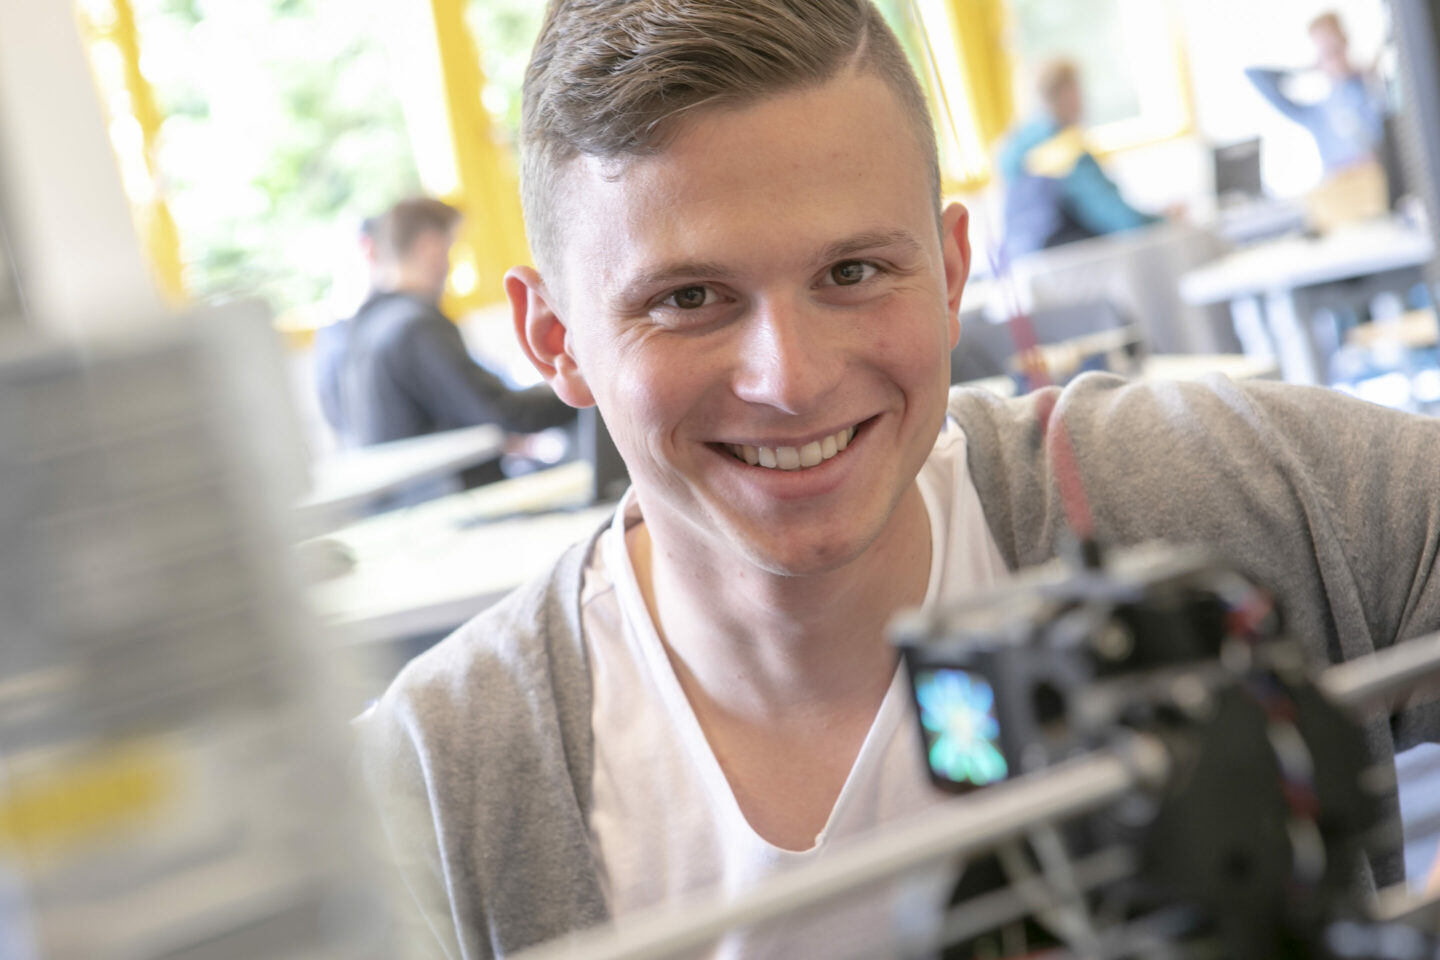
(785,674)
(767,646)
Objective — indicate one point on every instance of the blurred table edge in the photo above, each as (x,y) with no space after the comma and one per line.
(429,568)
(343,483)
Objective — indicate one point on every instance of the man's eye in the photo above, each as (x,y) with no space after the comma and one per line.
(851,272)
(689,298)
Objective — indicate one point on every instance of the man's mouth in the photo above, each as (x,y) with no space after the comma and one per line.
(794,458)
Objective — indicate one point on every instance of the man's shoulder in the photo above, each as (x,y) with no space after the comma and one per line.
(478,760)
(390,315)
(1212,401)
(1173,458)
(1123,433)
(541,613)
(521,657)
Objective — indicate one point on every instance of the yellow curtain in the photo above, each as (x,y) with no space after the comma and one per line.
(980,40)
(965,48)
(492,238)
(153,222)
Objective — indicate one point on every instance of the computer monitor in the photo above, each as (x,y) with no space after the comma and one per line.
(1237,172)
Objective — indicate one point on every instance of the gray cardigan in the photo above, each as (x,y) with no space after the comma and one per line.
(479,755)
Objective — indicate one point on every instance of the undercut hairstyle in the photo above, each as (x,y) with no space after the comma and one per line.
(395,233)
(614,79)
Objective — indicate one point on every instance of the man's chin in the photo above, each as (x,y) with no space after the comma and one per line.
(805,557)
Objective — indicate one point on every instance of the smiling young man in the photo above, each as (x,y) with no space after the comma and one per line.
(743,261)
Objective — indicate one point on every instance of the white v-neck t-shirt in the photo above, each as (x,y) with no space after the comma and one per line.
(664,822)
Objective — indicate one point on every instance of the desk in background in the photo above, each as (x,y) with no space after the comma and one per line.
(1137,272)
(425,570)
(343,484)
(1274,289)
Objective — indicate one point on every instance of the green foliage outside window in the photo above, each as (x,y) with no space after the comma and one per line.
(281,133)
(505,32)
(283,128)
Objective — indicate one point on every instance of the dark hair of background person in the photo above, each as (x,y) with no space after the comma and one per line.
(396,231)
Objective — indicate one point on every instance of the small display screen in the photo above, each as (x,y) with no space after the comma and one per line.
(962,734)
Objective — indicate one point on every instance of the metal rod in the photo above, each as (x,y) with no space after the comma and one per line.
(1386,676)
(959,828)
(1400,904)
(991,910)
(955,829)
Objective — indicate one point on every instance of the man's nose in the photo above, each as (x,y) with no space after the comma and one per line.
(791,356)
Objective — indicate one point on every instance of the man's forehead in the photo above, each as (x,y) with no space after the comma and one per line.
(829,161)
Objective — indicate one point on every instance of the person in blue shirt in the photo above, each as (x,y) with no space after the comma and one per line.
(1349,123)
(1055,191)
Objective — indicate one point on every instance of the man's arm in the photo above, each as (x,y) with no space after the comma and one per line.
(1095,201)
(458,392)
(478,761)
(1268,83)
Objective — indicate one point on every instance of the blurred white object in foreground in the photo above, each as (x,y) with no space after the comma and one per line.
(173,779)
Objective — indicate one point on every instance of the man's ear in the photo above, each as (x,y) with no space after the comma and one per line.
(544,337)
(955,247)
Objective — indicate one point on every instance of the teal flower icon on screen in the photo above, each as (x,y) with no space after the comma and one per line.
(957,710)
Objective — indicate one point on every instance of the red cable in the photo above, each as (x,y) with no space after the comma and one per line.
(1066,469)
(1032,360)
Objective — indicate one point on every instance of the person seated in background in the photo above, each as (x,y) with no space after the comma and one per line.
(399,367)
(1055,191)
(1349,124)
(354,283)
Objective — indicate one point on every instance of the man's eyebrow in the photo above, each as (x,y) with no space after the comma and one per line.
(870,240)
(666,273)
(687,270)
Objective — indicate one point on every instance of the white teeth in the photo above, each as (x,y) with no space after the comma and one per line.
(793,458)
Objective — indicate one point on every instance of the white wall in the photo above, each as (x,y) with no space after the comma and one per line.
(1222,38)
(69,222)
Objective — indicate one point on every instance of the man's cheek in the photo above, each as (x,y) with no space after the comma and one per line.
(635,407)
(914,360)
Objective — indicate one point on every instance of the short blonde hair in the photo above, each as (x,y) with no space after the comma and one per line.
(616,78)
